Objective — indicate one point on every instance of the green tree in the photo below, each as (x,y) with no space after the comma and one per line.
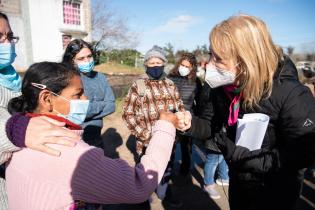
(200,50)
(179,53)
(121,56)
(169,49)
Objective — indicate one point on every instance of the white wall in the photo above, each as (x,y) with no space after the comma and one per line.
(40,27)
(45,19)
(18,30)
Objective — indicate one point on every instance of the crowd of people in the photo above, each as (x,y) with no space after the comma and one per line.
(51,120)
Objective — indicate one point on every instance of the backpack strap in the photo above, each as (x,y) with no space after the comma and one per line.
(169,82)
(141,87)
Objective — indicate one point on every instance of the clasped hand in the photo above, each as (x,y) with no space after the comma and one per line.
(184,120)
(180,120)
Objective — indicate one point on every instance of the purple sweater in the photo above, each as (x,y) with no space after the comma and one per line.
(35,180)
(16,129)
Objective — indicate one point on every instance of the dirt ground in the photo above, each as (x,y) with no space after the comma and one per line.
(119,144)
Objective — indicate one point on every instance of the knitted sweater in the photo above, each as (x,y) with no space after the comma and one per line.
(35,180)
(6,147)
(141,113)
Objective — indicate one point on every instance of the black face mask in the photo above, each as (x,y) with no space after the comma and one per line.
(155,71)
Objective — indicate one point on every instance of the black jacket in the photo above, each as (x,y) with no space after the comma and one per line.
(187,90)
(289,142)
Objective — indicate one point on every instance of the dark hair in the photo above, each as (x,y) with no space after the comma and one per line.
(73,48)
(191,58)
(55,76)
(4,16)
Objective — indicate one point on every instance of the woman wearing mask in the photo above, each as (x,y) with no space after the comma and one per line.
(248,73)
(201,69)
(184,77)
(102,100)
(82,174)
(43,130)
(145,100)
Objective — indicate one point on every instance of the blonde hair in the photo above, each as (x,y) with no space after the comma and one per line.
(245,40)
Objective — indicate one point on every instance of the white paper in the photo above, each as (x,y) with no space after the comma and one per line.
(251,130)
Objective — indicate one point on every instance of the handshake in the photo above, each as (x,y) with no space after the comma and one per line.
(181,120)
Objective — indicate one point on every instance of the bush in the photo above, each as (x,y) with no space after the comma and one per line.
(126,56)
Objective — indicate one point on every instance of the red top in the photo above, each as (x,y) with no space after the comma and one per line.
(70,125)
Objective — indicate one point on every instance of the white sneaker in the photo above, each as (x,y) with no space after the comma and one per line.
(211,191)
(222,182)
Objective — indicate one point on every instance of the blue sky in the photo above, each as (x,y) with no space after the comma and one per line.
(187,23)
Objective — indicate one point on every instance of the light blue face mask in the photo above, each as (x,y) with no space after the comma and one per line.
(86,67)
(78,108)
(7,54)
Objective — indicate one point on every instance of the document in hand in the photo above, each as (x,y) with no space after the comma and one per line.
(251,130)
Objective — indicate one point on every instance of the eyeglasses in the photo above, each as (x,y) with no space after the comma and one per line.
(9,36)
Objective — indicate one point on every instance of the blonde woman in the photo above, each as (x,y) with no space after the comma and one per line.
(248,73)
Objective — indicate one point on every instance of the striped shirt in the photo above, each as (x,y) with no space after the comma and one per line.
(6,147)
(38,181)
(187,90)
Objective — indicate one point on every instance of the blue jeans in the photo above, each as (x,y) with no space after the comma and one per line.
(214,161)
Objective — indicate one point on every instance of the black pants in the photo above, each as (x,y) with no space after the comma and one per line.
(274,192)
(185,146)
(92,136)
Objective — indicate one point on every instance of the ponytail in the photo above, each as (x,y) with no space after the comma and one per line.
(17,104)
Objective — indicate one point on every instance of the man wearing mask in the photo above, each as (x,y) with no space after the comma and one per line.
(145,100)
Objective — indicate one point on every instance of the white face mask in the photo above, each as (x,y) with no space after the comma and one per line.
(218,77)
(183,71)
(200,72)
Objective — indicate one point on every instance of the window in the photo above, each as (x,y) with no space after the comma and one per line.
(71,13)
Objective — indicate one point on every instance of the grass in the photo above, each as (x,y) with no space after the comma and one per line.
(119,104)
(114,68)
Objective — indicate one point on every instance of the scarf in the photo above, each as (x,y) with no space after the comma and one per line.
(235,96)
(10,79)
(69,125)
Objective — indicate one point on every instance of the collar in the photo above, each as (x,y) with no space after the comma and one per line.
(68,124)
(232,89)
(90,74)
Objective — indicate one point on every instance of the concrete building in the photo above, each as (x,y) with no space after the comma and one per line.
(46,26)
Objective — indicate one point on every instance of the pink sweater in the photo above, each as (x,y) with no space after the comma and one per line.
(37,181)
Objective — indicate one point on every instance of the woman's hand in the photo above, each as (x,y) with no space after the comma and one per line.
(42,130)
(184,120)
(170,117)
(226,146)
